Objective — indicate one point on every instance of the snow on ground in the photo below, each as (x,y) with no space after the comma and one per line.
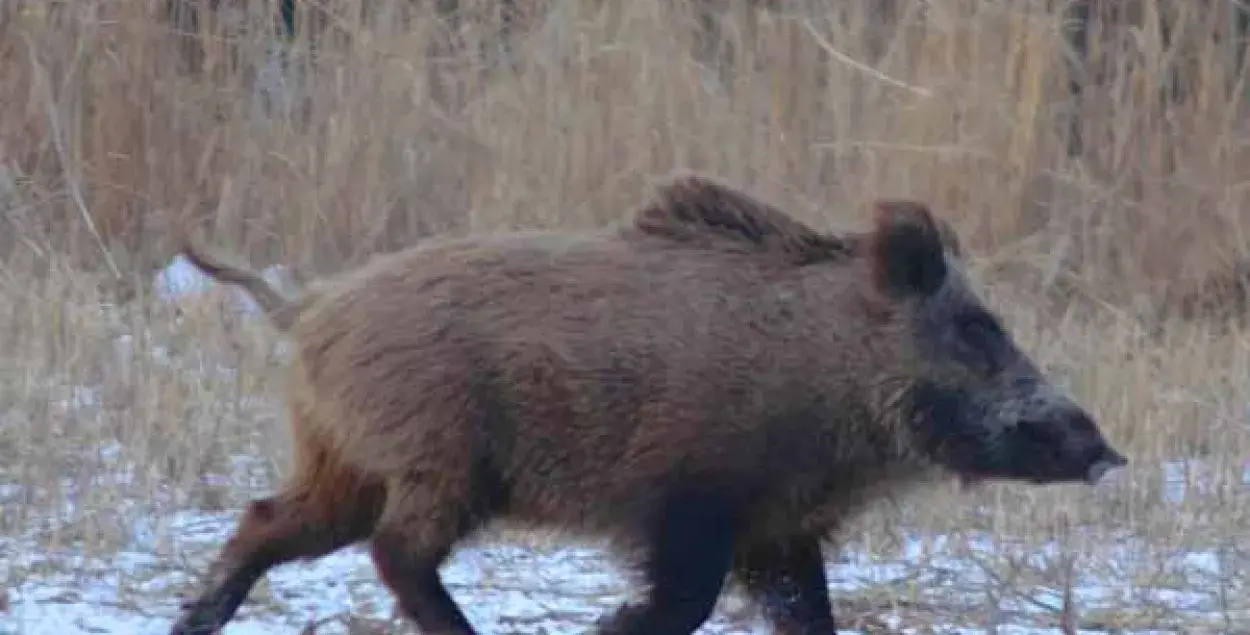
(506,588)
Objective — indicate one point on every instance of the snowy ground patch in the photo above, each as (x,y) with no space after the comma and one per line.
(506,588)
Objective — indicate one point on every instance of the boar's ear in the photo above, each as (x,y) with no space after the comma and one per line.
(906,248)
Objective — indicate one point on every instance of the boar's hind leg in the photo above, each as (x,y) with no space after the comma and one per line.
(688,555)
(416,534)
(298,523)
(786,578)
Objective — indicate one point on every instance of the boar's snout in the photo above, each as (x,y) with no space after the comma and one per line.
(1067,446)
(1043,439)
(1108,459)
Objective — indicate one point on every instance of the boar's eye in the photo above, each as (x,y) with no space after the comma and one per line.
(981,335)
(979,326)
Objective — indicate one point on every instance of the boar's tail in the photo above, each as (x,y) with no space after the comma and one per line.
(281,310)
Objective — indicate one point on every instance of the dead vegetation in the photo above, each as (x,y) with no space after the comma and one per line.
(117,416)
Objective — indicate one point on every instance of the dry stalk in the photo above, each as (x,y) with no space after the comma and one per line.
(860,66)
(1068,617)
(68,169)
(993,610)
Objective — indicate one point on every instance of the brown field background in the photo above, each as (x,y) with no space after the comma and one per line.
(107,137)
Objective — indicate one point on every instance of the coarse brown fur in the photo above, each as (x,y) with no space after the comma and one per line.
(715,384)
(694,210)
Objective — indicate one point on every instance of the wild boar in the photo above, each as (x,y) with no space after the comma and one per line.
(715,386)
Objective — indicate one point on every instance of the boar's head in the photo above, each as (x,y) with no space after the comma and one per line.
(977,404)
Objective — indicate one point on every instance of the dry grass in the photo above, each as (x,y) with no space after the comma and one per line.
(116,417)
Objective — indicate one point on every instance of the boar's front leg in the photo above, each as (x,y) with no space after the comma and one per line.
(786,578)
(688,554)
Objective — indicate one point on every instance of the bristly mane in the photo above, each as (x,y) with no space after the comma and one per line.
(704,212)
